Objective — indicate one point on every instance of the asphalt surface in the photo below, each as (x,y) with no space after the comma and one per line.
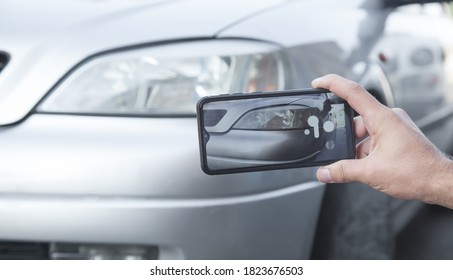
(428,237)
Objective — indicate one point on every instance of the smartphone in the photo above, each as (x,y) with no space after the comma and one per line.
(273,130)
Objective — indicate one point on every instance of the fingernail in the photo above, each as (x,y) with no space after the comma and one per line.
(324,175)
(316,81)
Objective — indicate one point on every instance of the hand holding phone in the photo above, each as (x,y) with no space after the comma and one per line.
(273,130)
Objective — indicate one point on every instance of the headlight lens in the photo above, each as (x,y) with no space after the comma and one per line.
(277,118)
(169,79)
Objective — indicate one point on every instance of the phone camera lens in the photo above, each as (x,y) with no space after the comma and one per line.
(330,145)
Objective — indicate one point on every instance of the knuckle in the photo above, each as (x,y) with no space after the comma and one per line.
(400,112)
(356,87)
(397,115)
(344,175)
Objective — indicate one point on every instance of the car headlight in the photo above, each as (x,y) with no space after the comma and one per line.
(278,118)
(167,79)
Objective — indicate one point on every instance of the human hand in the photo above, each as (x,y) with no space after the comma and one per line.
(396,158)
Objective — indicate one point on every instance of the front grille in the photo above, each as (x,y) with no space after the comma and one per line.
(4,58)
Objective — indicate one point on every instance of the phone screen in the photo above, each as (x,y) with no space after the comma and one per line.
(273,130)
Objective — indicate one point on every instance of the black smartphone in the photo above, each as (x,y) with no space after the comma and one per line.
(273,130)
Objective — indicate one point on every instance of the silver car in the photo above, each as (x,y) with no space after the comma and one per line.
(98,137)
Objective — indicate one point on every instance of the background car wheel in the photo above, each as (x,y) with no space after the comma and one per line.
(354,223)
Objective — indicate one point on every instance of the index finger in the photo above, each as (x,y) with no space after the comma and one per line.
(359,99)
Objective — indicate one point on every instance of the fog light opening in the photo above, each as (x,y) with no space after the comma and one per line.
(66,251)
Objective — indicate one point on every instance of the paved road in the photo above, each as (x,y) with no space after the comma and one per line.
(428,237)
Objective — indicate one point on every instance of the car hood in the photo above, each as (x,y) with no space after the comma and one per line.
(45,40)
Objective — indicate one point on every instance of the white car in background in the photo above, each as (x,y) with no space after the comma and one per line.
(98,137)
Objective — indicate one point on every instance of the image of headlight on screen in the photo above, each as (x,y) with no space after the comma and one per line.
(273,130)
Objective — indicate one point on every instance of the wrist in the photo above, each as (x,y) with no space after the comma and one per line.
(440,189)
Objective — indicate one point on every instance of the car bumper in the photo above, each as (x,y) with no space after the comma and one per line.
(106,180)
(272,225)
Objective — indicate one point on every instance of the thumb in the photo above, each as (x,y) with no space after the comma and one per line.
(341,171)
